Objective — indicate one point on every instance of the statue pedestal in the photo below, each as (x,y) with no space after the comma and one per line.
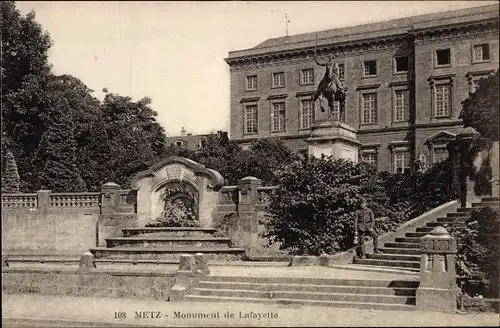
(333,138)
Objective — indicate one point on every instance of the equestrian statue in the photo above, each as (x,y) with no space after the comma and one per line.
(330,87)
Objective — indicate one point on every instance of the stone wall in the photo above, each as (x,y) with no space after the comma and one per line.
(46,223)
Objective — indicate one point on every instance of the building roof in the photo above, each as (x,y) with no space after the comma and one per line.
(373,30)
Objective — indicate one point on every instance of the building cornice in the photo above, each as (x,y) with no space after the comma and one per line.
(305,52)
(338,49)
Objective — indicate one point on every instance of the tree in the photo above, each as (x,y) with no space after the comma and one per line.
(127,139)
(313,208)
(10,176)
(24,74)
(56,153)
(480,110)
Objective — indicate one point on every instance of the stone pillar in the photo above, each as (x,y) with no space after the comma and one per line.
(495,168)
(43,204)
(87,262)
(333,138)
(247,211)
(110,197)
(464,141)
(438,289)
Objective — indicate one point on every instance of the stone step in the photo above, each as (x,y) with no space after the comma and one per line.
(313,281)
(458,215)
(464,209)
(425,229)
(401,245)
(485,204)
(359,305)
(415,234)
(165,242)
(343,297)
(169,232)
(412,251)
(230,254)
(413,240)
(388,263)
(217,285)
(436,224)
(393,257)
(451,220)
(490,199)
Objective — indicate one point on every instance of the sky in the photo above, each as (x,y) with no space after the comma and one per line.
(173,52)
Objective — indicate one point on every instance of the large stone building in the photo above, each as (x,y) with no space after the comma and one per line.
(406,80)
(192,141)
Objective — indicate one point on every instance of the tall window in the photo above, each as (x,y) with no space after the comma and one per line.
(443,100)
(401,64)
(370,158)
(306,113)
(443,57)
(440,155)
(251,82)
(336,110)
(401,161)
(251,122)
(341,71)
(278,80)
(369,114)
(278,117)
(401,105)
(370,68)
(307,76)
(482,52)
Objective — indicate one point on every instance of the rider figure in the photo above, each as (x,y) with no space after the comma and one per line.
(330,82)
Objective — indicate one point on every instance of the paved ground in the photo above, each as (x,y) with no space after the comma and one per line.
(265,269)
(54,311)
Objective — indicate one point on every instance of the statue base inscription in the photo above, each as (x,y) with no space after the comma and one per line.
(333,138)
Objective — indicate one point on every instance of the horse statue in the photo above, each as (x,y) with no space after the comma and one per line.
(330,87)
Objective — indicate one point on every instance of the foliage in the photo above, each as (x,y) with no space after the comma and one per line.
(56,154)
(412,195)
(10,176)
(313,208)
(480,110)
(24,73)
(477,260)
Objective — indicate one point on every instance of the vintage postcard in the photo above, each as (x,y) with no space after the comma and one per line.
(250,164)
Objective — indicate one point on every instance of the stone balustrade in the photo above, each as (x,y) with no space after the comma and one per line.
(228,195)
(265,193)
(86,199)
(19,200)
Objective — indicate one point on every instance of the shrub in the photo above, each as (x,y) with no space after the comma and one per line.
(10,175)
(313,209)
(477,260)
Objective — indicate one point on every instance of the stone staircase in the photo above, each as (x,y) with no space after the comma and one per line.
(165,245)
(404,252)
(368,294)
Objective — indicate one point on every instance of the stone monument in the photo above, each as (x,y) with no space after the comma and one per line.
(331,137)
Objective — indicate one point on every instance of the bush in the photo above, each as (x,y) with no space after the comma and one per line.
(313,209)
(477,260)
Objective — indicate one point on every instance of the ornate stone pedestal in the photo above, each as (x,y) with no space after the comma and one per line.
(334,138)
(438,289)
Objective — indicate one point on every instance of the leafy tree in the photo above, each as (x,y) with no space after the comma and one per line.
(56,153)
(313,208)
(480,110)
(477,260)
(24,74)
(127,139)
(10,176)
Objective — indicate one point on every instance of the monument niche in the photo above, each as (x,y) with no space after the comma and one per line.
(176,191)
(331,137)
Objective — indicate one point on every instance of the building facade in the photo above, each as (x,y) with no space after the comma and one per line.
(406,79)
(193,142)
